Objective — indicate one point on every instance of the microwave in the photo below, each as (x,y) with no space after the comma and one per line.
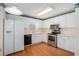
(54,27)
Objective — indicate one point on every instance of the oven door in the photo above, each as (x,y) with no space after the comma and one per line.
(52,40)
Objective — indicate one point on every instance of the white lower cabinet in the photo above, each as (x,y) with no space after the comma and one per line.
(66,43)
(60,42)
(45,37)
(69,44)
(39,37)
(36,38)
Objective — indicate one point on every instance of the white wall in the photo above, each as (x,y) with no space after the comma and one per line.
(2,14)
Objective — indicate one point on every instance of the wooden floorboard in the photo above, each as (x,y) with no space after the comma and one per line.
(42,49)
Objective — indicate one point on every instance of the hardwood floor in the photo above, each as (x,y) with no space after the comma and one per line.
(42,49)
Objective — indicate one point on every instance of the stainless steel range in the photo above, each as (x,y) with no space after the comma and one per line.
(52,40)
(52,37)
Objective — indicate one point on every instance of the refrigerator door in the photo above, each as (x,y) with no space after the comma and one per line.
(8,37)
(19,35)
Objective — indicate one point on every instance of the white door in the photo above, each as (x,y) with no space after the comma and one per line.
(19,35)
(8,37)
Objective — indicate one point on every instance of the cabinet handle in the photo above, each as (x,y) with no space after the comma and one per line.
(8,31)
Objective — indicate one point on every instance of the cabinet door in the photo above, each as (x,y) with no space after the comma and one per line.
(36,38)
(44,37)
(66,43)
(69,44)
(19,35)
(8,37)
(60,42)
(66,20)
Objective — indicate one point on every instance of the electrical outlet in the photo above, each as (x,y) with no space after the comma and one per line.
(0,49)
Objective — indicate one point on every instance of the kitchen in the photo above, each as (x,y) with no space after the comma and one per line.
(57,31)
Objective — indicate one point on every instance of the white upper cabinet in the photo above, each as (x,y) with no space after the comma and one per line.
(64,21)
(67,20)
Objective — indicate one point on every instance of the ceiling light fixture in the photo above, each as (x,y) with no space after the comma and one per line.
(13,10)
(48,9)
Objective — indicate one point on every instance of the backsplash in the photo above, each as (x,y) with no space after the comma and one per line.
(68,31)
(38,30)
(64,31)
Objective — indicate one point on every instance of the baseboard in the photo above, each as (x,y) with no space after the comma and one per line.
(14,53)
(66,50)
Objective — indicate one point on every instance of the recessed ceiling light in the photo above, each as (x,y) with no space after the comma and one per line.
(13,10)
(48,9)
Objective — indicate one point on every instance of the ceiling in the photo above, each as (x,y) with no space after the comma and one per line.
(32,9)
